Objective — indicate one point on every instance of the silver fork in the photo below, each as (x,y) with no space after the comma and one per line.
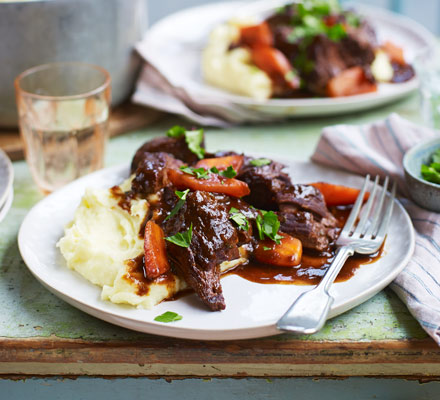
(309,311)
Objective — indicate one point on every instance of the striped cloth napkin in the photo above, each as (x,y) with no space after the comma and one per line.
(378,148)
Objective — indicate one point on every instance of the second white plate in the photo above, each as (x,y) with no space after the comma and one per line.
(183,35)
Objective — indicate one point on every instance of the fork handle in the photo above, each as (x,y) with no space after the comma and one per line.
(309,311)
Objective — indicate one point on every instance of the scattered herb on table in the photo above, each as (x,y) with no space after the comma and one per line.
(431,172)
(168,316)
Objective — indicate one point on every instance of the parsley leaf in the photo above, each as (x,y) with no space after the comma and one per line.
(336,32)
(186,169)
(199,173)
(265,248)
(182,239)
(228,172)
(214,170)
(431,173)
(239,219)
(168,316)
(176,131)
(180,203)
(259,162)
(194,139)
(436,156)
(268,225)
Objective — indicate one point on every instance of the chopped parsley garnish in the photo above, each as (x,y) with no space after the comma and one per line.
(194,139)
(199,173)
(176,131)
(317,17)
(268,225)
(202,173)
(239,219)
(168,316)
(431,172)
(228,172)
(265,248)
(180,203)
(259,162)
(182,239)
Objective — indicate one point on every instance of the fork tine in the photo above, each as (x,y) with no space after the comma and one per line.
(367,209)
(378,210)
(387,216)
(356,208)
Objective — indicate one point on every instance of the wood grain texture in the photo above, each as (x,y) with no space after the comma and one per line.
(125,118)
(156,356)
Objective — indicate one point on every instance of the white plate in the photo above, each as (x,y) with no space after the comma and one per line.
(6,206)
(6,177)
(174,46)
(251,309)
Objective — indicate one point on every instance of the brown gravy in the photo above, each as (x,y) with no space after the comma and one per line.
(309,272)
(313,265)
(312,268)
(136,275)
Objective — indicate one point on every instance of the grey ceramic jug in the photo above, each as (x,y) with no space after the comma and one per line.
(101,32)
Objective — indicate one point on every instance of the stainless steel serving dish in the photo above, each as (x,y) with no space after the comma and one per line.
(102,32)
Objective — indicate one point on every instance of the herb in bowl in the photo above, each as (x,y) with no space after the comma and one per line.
(431,172)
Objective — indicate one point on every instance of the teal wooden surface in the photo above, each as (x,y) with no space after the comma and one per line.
(29,310)
(219,389)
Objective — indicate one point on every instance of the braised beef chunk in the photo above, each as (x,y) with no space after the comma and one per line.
(402,73)
(264,183)
(214,240)
(325,58)
(329,58)
(302,208)
(302,196)
(151,173)
(314,233)
(175,146)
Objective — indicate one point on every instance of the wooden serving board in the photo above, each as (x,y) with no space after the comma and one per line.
(123,119)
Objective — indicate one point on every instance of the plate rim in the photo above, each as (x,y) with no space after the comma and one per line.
(269,329)
(9,186)
(404,88)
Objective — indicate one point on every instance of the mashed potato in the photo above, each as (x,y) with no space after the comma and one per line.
(233,70)
(99,242)
(102,239)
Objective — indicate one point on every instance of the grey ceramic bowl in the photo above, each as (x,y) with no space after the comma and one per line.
(102,32)
(424,193)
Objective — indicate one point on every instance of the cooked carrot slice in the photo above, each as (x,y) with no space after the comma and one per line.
(274,63)
(350,82)
(221,163)
(215,183)
(338,195)
(156,262)
(394,52)
(256,35)
(286,254)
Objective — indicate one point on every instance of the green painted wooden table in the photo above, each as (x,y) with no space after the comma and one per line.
(42,335)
